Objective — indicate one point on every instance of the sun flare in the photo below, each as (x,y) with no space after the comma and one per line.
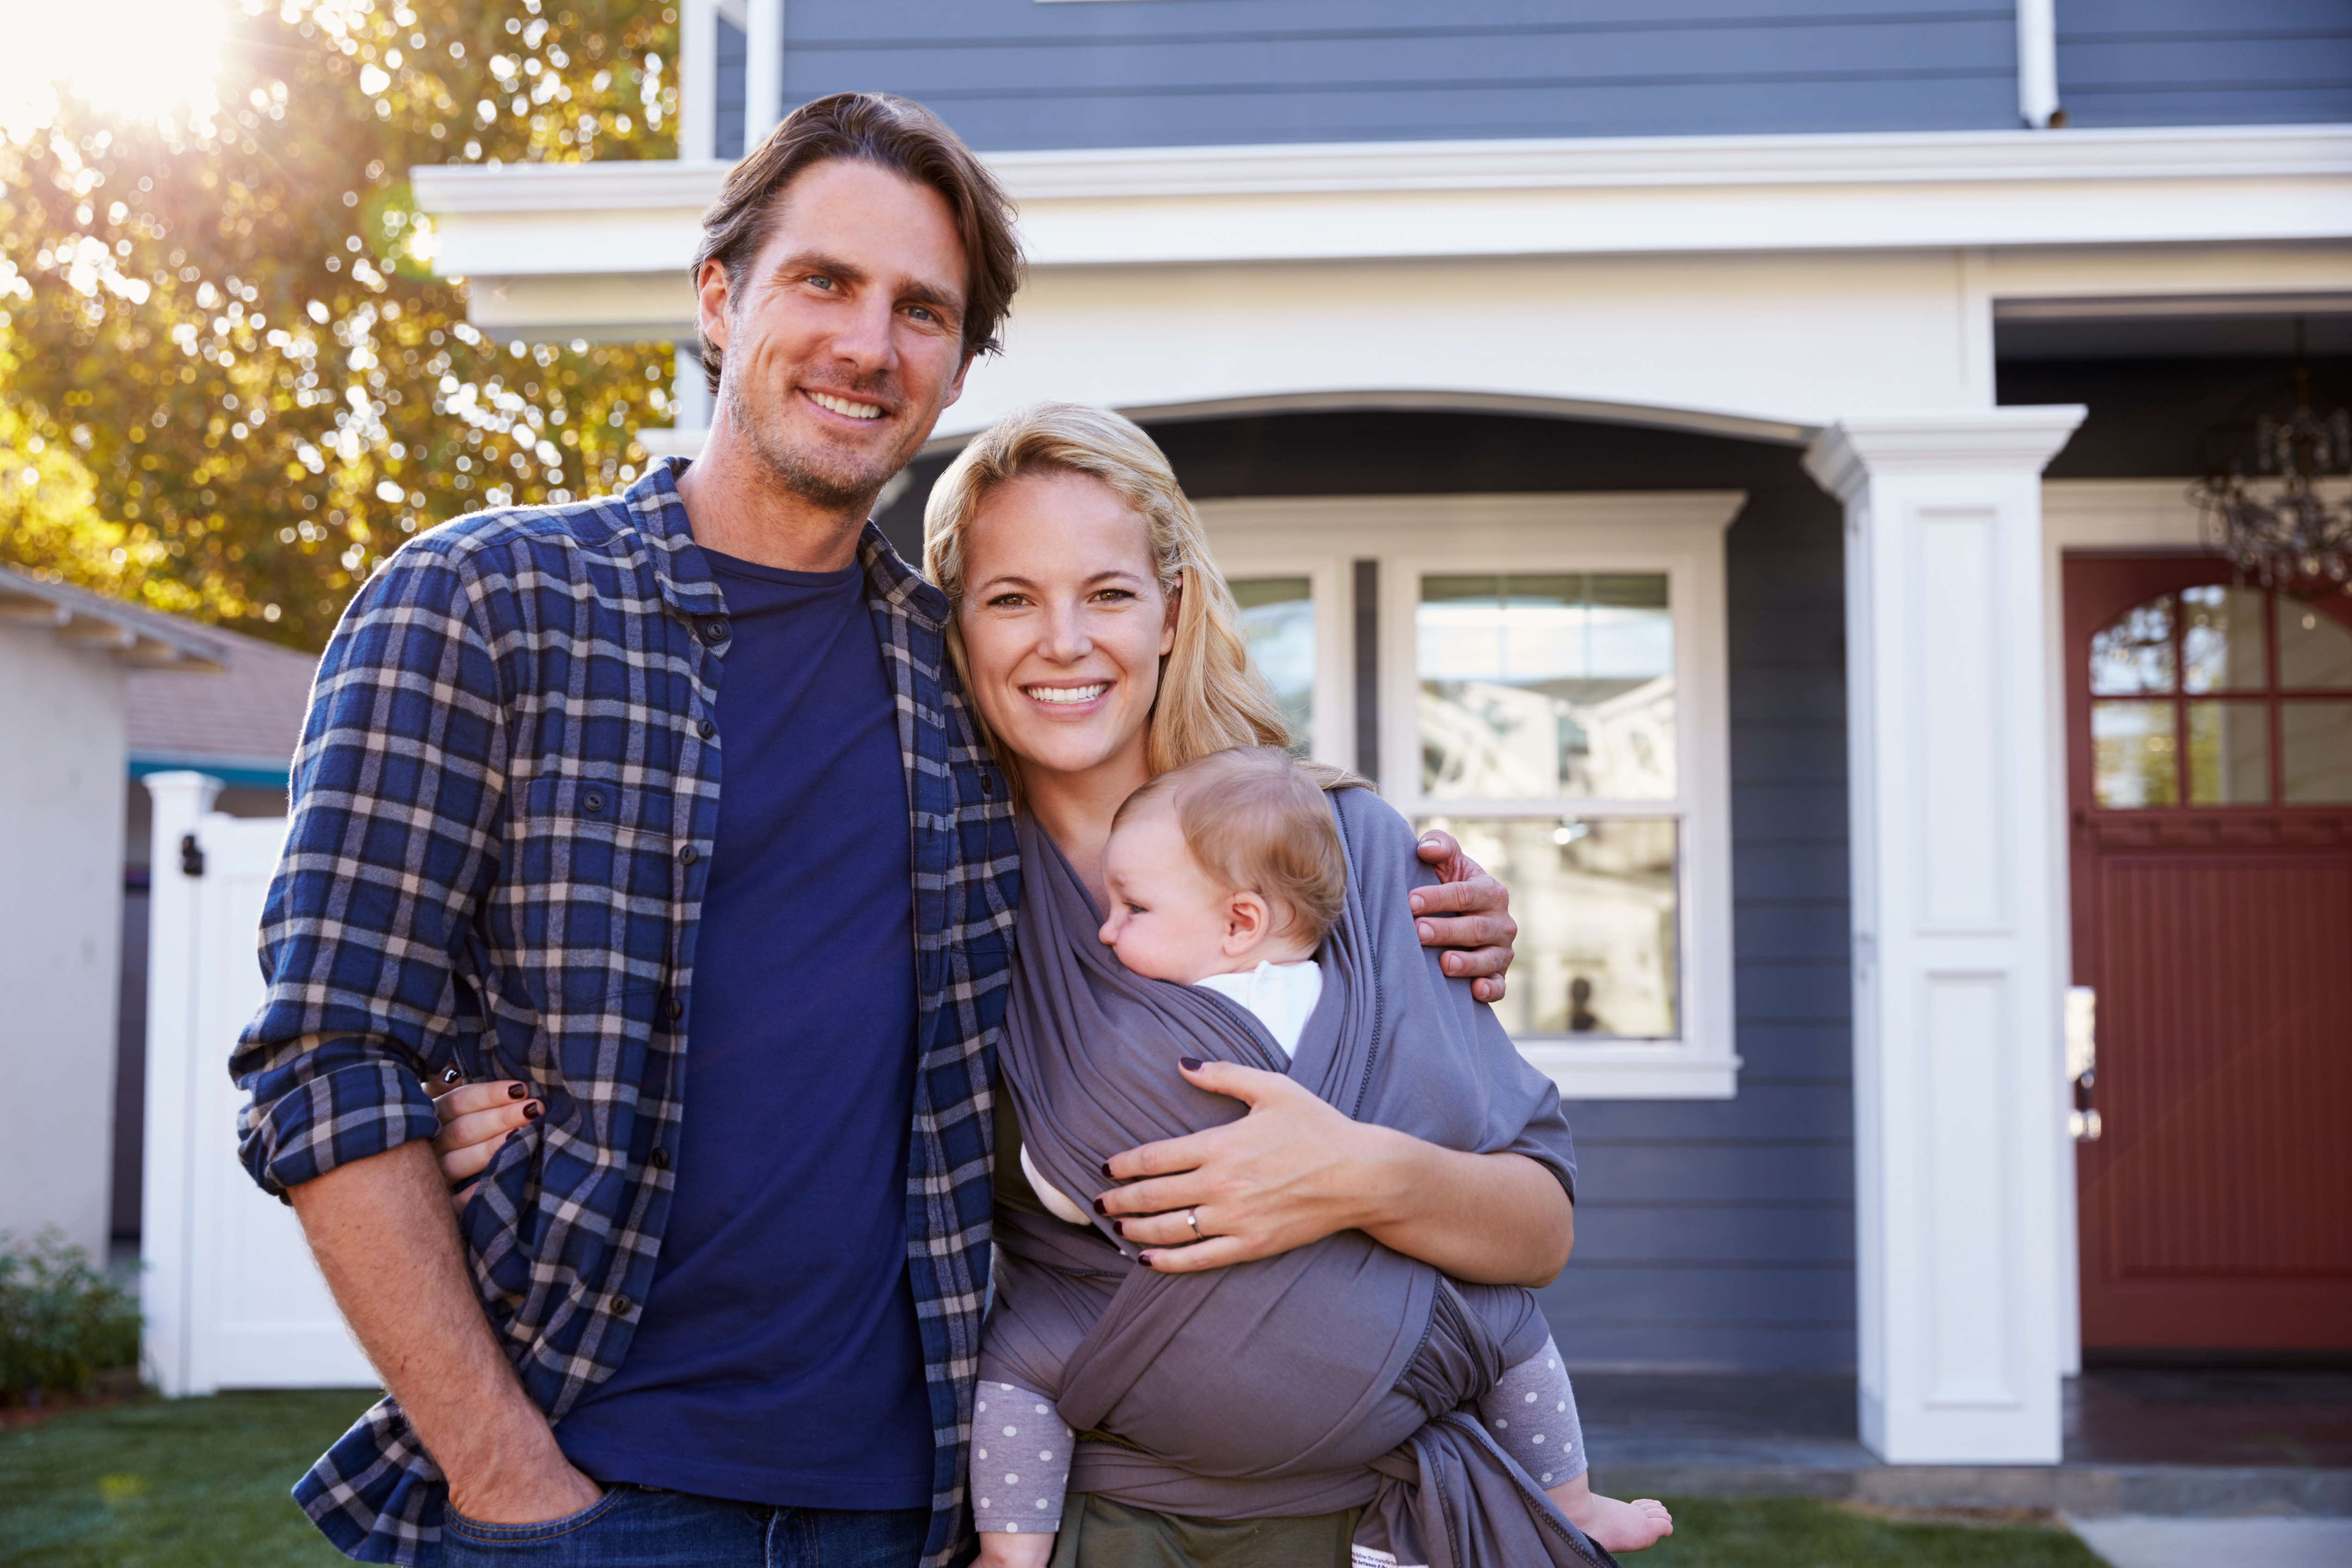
(143,59)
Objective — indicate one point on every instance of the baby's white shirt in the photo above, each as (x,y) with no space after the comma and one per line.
(1281,996)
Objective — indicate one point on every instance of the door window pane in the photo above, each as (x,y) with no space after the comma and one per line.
(2317,740)
(1535,686)
(2223,644)
(2132,762)
(1596,903)
(2133,653)
(2315,650)
(2229,753)
(1278,624)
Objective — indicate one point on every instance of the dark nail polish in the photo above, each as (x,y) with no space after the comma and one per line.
(533,1111)
(1098,1207)
(1105,1171)
(1119,1230)
(1190,1064)
(1145,1258)
(452,1075)
(518,1091)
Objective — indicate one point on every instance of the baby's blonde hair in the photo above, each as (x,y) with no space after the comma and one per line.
(1256,820)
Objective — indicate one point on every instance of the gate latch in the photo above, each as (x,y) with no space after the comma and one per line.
(191,855)
(2083,1061)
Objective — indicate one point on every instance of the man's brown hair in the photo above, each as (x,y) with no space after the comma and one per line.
(1256,820)
(890,133)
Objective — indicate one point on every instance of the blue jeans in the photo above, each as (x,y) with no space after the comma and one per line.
(638,1527)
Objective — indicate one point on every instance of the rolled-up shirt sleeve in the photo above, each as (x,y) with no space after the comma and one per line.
(369,938)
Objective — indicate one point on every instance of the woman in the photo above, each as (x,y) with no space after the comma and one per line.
(1097,645)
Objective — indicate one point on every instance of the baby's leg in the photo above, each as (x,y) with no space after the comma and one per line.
(1531,1410)
(1019,1467)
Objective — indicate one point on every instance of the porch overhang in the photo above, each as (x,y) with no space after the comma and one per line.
(520,232)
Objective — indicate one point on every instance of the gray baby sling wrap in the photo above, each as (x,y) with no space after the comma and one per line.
(1333,1377)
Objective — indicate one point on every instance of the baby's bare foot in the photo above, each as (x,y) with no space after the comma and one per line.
(1620,1526)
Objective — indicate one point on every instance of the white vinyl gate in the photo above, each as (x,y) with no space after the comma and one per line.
(231,1296)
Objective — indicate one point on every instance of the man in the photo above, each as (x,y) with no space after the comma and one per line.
(536,835)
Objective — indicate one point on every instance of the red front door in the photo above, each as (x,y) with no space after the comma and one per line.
(2210,768)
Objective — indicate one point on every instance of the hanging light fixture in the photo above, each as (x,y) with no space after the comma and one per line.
(2263,508)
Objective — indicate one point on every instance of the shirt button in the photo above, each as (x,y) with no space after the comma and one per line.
(675,1008)
(659,1159)
(707,729)
(622,1306)
(688,855)
(715,630)
(591,802)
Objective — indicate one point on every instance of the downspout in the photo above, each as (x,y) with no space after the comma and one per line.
(2037,65)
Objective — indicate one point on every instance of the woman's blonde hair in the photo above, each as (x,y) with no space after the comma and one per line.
(1211,697)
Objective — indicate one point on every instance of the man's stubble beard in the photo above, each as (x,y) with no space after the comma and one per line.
(843,485)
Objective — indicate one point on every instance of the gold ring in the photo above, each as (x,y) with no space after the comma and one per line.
(1192,1218)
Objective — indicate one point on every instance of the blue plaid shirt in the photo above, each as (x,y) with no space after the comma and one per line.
(504,804)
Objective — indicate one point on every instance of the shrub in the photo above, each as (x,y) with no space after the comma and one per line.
(62,1321)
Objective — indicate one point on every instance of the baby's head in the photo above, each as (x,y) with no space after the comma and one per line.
(1223,864)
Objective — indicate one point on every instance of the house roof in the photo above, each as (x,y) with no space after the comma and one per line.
(196,696)
(143,639)
(241,726)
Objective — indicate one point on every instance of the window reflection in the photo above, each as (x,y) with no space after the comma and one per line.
(2316,741)
(1278,624)
(2132,759)
(2315,650)
(1597,905)
(2133,653)
(2223,639)
(1535,686)
(2229,753)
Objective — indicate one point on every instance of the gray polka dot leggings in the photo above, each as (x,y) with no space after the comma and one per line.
(1020,1448)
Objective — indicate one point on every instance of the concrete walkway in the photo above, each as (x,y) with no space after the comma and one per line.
(2199,1445)
(2137,1541)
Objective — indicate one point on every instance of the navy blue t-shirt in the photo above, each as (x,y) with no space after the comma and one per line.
(777,1360)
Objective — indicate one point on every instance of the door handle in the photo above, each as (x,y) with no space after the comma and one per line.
(2083,1061)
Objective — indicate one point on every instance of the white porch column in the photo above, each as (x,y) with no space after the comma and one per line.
(167,1214)
(698,80)
(1958,1120)
(764,70)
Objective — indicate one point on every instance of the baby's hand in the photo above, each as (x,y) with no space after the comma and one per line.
(1011,1549)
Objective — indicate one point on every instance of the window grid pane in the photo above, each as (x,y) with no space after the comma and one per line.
(1278,624)
(1539,686)
(1599,906)
(2132,760)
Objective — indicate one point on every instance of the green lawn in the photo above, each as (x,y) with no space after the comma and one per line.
(200,1483)
(189,1483)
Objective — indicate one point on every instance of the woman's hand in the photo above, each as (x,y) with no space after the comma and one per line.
(1468,913)
(475,1118)
(1294,1170)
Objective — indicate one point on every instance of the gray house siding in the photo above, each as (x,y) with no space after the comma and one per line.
(727,140)
(1015,74)
(1709,1234)
(2196,62)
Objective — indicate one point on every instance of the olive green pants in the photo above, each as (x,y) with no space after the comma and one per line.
(1099,1533)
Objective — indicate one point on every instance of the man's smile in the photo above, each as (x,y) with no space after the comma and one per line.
(848,408)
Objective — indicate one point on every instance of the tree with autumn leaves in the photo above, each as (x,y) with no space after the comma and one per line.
(229,384)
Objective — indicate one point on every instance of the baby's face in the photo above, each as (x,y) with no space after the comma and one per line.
(1168,919)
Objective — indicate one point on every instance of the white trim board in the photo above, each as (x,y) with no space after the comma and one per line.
(1128,206)
(1681,532)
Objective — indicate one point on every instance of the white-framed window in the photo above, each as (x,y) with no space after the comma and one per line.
(1551,689)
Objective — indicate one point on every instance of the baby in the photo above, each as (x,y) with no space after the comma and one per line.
(1228,873)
